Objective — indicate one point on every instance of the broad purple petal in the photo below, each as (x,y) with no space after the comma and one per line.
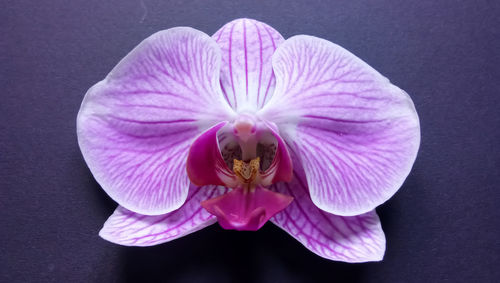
(127,228)
(135,127)
(205,165)
(356,134)
(343,238)
(247,78)
(241,209)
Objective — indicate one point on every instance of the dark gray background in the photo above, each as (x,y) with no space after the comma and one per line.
(442,226)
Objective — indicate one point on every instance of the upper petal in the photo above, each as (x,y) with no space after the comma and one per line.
(135,127)
(356,134)
(127,228)
(247,78)
(344,238)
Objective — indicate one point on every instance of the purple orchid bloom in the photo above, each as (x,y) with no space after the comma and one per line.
(245,127)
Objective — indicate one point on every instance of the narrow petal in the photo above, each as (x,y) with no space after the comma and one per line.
(247,78)
(135,127)
(342,238)
(241,209)
(127,228)
(205,165)
(356,134)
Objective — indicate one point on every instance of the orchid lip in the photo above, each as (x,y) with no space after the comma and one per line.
(243,209)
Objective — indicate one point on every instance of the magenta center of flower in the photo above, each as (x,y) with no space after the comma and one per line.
(244,155)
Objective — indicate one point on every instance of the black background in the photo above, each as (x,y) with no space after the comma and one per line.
(442,226)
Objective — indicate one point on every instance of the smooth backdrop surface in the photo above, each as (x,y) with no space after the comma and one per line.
(442,226)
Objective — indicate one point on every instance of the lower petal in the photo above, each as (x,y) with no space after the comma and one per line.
(127,228)
(343,238)
(243,209)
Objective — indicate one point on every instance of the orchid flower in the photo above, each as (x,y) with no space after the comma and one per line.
(242,128)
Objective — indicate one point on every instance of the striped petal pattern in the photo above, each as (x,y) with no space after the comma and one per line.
(247,78)
(136,126)
(356,134)
(127,228)
(344,238)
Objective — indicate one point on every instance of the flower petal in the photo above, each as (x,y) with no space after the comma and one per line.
(205,165)
(246,210)
(127,228)
(247,78)
(135,126)
(357,134)
(343,238)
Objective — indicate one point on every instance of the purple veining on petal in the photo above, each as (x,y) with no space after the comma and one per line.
(151,122)
(344,238)
(243,209)
(127,228)
(343,120)
(235,101)
(272,80)
(246,56)
(261,61)
(135,127)
(356,134)
(246,72)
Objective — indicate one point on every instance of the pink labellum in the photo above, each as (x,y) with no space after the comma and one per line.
(243,209)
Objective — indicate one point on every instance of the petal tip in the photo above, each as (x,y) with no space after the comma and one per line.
(106,234)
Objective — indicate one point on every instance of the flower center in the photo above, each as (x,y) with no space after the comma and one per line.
(247,172)
(248,148)
(253,157)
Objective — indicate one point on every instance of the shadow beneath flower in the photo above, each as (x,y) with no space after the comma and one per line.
(289,258)
(210,255)
(217,255)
